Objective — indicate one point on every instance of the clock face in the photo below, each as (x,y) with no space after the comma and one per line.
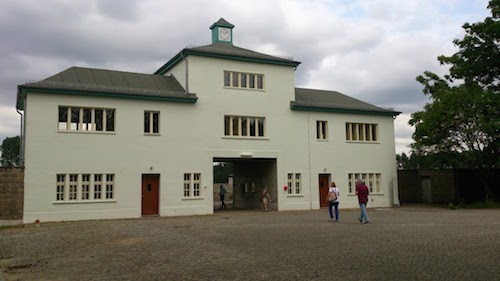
(224,34)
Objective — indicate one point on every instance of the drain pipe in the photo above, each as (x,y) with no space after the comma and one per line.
(21,140)
(309,156)
(187,72)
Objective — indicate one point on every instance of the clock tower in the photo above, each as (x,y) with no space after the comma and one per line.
(222,32)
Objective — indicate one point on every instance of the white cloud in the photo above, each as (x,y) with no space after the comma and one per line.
(371,50)
(11,120)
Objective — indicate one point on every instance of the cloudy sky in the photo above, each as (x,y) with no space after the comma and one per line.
(368,49)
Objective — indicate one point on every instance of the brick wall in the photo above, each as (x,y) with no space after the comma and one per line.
(11,193)
(443,185)
(409,186)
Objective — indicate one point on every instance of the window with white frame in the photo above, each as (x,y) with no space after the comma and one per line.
(244,126)
(361,132)
(77,187)
(97,187)
(85,186)
(192,185)
(294,183)
(110,184)
(321,130)
(372,181)
(151,122)
(242,80)
(73,186)
(61,186)
(86,119)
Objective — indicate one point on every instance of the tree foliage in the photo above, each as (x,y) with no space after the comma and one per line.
(460,126)
(222,171)
(10,152)
(478,58)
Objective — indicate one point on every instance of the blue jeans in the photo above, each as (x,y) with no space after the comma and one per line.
(363,217)
(336,205)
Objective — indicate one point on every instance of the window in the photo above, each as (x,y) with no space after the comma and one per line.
(244,126)
(321,130)
(372,181)
(85,186)
(192,185)
(196,185)
(86,119)
(97,186)
(151,122)
(109,185)
(61,184)
(294,184)
(187,185)
(361,132)
(78,187)
(243,80)
(73,185)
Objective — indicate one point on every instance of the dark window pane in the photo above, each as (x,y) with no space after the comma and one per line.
(146,122)
(261,126)
(63,114)
(260,82)
(63,118)
(235,80)
(252,127)
(235,126)
(75,118)
(251,81)
(226,79)
(243,80)
(110,120)
(226,125)
(98,119)
(244,126)
(155,123)
(87,119)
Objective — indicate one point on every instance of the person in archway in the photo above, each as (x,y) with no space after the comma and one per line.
(222,192)
(265,197)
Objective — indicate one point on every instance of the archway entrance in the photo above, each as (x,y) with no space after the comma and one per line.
(248,177)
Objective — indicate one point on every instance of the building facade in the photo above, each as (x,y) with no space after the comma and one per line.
(102,144)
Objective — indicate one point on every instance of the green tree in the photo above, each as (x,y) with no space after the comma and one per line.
(460,126)
(222,171)
(10,152)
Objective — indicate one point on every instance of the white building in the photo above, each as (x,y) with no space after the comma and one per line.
(101,144)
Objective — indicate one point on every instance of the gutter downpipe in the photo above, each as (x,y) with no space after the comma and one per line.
(21,140)
(187,72)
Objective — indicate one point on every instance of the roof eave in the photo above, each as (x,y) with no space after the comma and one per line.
(184,53)
(23,90)
(294,106)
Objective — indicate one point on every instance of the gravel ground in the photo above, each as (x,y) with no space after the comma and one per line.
(407,243)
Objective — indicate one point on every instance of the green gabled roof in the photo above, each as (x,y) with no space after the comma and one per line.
(226,51)
(222,22)
(331,101)
(102,82)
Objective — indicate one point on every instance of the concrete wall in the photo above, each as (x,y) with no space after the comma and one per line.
(11,194)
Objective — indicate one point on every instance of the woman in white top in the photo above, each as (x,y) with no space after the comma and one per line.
(333,201)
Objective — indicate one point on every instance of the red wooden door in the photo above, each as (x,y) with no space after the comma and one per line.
(323,189)
(150,192)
